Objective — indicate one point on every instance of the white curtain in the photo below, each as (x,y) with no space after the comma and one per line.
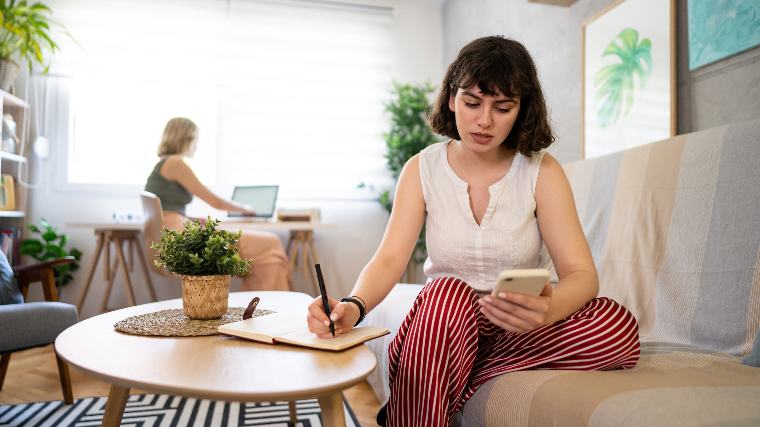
(285,92)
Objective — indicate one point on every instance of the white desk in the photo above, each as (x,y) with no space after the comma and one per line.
(300,249)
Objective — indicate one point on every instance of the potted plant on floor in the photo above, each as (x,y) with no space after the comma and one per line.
(409,134)
(206,259)
(24,35)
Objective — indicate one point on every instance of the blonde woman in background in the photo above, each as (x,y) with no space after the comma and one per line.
(175,183)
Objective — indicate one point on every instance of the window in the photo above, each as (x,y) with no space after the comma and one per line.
(287,92)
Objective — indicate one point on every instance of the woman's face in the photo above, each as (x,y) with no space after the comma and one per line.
(483,121)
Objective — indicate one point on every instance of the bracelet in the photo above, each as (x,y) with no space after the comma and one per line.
(359,303)
(364,303)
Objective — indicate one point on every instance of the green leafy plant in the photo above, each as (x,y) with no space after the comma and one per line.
(51,245)
(25,30)
(201,250)
(615,83)
(409,134)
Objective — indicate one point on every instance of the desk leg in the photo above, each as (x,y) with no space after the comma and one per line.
(117,401)
(293,250)
(146,272)
(309,245)
(109,286)
(332,409)
(88,281)
(106,270)
(130,244)
(120,255)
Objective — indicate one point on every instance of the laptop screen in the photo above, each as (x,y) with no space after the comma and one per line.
(261,198)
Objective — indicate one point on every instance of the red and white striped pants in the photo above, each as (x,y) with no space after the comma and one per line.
(446,348)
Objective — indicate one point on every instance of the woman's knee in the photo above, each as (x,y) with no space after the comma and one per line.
(609,312)
(261,243)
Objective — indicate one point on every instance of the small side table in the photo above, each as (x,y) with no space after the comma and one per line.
(119,235)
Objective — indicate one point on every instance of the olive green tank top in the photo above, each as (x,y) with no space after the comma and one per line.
(173,196)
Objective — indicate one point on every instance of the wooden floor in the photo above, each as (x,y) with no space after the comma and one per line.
(33,377)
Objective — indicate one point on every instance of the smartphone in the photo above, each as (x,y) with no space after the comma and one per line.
(525,281)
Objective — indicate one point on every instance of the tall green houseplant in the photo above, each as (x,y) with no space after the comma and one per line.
(409,134)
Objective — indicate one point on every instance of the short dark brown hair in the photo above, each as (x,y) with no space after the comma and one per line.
(497,64)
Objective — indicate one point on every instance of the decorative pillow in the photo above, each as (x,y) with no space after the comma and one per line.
(753,358)
(9,292)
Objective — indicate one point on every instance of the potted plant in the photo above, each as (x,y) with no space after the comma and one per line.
(409,134)
(51,245)
(206,259)
(24,34)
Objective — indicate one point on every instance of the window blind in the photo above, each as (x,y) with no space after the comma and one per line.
(285,92)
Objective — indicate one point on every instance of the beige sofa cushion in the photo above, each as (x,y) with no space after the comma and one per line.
(671,386)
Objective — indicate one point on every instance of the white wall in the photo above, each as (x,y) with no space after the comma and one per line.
(343,251)
(552,35)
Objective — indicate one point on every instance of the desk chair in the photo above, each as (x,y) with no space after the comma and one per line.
(33,324)
(153,214)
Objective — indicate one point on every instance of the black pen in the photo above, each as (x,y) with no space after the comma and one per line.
(325,303)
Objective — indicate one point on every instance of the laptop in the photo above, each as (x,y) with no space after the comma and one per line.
(261,198)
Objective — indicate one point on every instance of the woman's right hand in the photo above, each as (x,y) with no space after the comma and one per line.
(247,211)
(344,315)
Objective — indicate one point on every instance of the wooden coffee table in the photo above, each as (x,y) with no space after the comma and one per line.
(213,367)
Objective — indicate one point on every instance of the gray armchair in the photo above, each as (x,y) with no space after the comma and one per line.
(27,325)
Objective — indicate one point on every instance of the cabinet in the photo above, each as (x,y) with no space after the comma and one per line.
(13,164)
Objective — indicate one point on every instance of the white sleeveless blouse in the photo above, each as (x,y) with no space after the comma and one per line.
(508,236)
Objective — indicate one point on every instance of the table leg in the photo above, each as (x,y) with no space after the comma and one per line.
(332,409)
(293,412)
(91,272)
(117,401)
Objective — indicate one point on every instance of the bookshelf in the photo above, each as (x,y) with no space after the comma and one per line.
(13,147)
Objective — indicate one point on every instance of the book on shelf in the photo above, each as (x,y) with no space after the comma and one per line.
(10,244)
(291,328)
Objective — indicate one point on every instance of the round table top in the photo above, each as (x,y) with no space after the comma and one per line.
(214,367)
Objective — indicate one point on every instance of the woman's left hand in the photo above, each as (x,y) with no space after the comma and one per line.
(517,312)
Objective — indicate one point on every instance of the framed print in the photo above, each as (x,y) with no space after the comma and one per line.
(629,76)
(718,29)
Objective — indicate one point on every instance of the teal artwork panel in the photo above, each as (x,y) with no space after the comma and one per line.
(721,28)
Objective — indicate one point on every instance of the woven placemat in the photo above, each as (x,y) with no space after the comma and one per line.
(174,323)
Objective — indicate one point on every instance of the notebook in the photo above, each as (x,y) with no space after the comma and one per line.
(291,328)
(261,198)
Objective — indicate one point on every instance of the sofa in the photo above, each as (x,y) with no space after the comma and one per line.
(674,228)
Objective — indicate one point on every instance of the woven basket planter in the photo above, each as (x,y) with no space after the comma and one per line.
(205,297)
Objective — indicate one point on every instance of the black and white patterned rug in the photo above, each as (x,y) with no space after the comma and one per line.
(161,410)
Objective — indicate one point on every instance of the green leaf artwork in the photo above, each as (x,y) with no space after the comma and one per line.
(615,88)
